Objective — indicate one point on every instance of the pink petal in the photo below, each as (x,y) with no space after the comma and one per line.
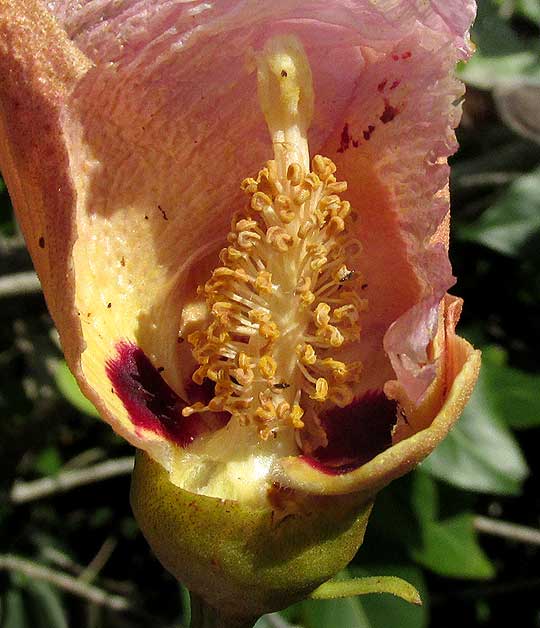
(160,131)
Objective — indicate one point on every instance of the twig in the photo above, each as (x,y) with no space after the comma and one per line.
(17,284)
(62,560)
(65,481)
(100,560)
(65,582)
(507,530)
(487,179)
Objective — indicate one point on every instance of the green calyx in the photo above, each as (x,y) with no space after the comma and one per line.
(242,561)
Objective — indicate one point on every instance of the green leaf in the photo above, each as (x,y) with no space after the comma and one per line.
(13,614)
(501,55)
(512,395)
(450,548)
(526,8)
(479,454)
(393,585)
(340,613)
(48,461)
(44,605)
(384,611)
(69,388)
(512,221)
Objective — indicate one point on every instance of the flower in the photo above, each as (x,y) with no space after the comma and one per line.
(315,355)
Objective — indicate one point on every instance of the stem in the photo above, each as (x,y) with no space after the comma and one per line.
(204,616)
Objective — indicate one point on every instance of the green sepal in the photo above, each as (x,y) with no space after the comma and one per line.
(362,586)
(240,560)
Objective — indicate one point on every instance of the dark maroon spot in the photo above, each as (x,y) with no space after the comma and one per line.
(395,84)
(382,85)
(109,305)
(160,369)
(356,143)
(180,340)
(149,400)
(284,73)
(368,132)
(146,217)
(41,242)
(395,57)
(406,55)
(389,113)
(122,261)
(345,139)
(356,434)
(364,286)
(163,213)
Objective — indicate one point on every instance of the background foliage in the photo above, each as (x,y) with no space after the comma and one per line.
(74,557)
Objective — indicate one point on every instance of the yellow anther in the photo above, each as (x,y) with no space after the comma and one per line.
(196,407)
(244,377)
(295,174)
(305,228)
(344,210)
(295,417)
(278,238)
(263,283)
(323,167)
(244,361)
(248,239)
(346,312)
(307,354)
(321,390)
(249,185)
(312,181)
(267,367)
(266,411)
(303,285)
(338,369)
(258,316)
(307,298)
(322,315)
(336,188)
(342,396)
(286,216)
(260,201)
(269,330)
(245,224)
(301,197)
(335,225)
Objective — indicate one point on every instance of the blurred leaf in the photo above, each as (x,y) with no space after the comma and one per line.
(424,496)
(13,614)
(519,107)
(513,395)
(526,8)
(48,462)
(266,622)
(450,548)
(512,221)
(69,388)
(501,55)
(479,453)
(385,611)
(44,605)
(345,613)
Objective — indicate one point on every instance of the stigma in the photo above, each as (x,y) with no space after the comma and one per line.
(282,304)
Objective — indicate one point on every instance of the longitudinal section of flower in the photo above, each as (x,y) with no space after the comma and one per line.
(282,303)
